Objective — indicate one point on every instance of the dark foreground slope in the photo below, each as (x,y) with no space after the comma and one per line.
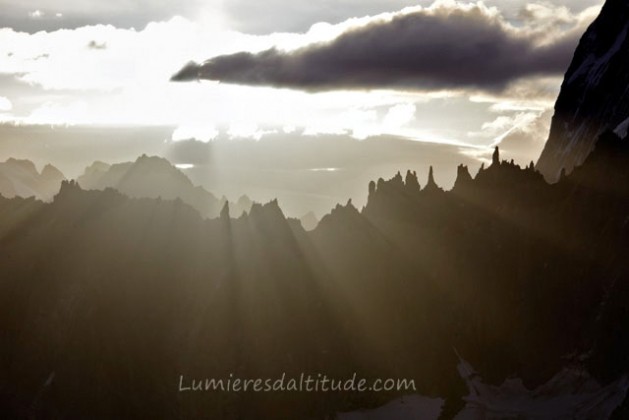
(107,300)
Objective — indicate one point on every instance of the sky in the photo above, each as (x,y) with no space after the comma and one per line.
(470,75)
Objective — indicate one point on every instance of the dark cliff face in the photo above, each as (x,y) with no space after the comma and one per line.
(594,96)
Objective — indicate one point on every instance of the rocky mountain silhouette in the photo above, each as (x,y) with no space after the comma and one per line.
(111,298)
(20,178)
(116,289)
(153,177)
(593,95)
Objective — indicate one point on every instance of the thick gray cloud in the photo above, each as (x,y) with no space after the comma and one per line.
(456,48)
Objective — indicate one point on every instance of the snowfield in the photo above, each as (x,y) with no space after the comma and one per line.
(572,394)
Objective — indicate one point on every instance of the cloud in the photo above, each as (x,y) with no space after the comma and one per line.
(520,136)
(36,15)
(531,94)
(55,78)
(446,46)
(5,104)
(201,132)
(400,115)
(262,17)
(247,16)
(527,134)
(95,45)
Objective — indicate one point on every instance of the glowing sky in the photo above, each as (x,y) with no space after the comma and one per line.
(88,62)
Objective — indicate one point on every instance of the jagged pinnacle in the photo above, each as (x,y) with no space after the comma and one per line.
(431,176)
(463,176)
(411,182)
(372,187)
(431,185)
(495,159)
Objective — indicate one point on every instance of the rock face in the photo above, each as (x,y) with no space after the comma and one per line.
(594,96)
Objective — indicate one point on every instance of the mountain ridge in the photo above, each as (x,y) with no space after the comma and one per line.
(510,270)
(20,177)
(594,95)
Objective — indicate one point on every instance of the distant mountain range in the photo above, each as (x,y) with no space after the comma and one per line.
(153,177)
(147,177)
(20,178)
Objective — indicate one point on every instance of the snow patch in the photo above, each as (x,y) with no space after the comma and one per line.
(572,394)
(621,130)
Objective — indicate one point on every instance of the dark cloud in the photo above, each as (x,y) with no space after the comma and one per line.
(454,48)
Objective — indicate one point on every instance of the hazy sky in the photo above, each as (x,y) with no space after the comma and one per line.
(471,74)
